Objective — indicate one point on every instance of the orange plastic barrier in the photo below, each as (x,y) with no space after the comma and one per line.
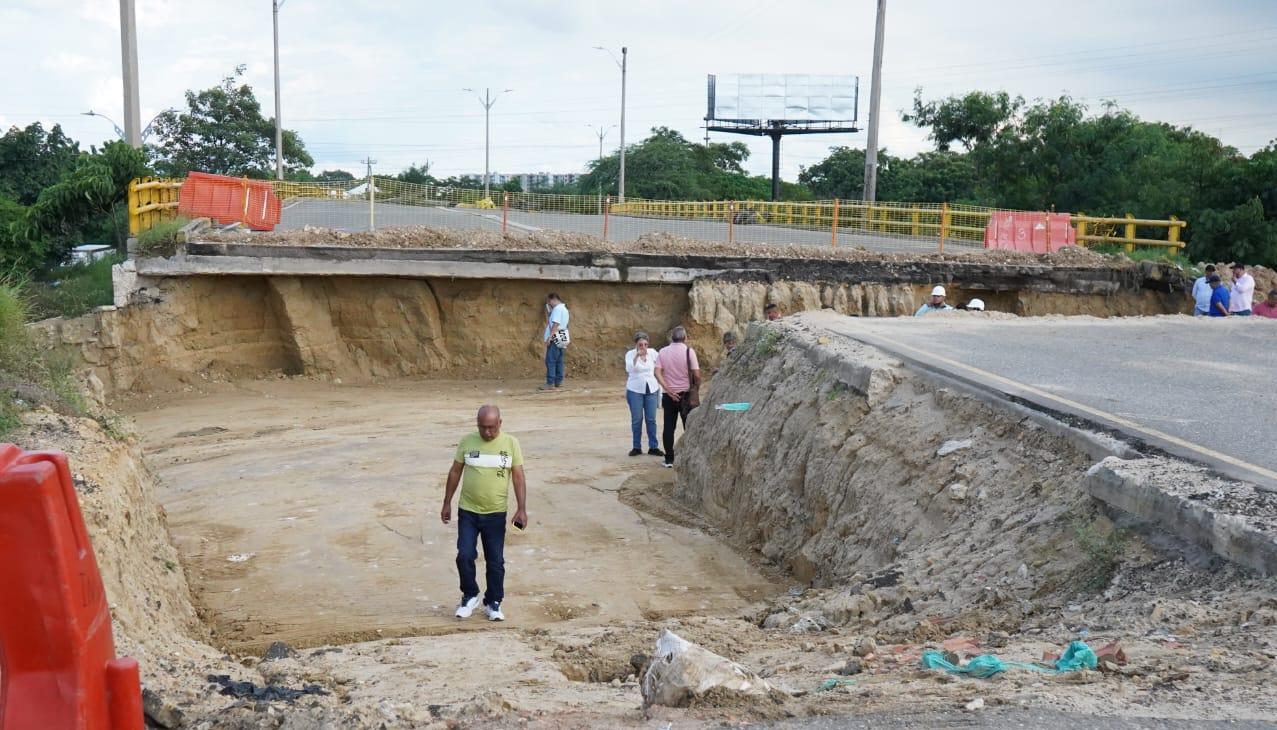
(57,656)
(1033,232)
(230,199)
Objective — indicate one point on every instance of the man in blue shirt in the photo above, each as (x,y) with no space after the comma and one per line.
(935,304)
(1218,297)
(556,340)
(1202,292)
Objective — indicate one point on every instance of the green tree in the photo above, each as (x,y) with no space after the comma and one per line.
(418,174)
(32,159)
(223,132)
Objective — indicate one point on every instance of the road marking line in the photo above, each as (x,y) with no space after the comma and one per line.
(1132,425)
(286,207)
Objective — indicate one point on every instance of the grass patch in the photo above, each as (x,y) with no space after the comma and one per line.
(29,377)
(69,291)
(1161,255)
(162,239)
(768,343)
(1103,550)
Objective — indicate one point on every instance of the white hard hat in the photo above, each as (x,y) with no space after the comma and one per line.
(937,292)
(977,304)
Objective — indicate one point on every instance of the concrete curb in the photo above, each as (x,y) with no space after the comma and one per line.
(1148,493)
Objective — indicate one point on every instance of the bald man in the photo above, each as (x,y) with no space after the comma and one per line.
(485,464)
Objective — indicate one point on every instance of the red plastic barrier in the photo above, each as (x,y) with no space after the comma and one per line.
(230,199)
(1033,232)
(57,656)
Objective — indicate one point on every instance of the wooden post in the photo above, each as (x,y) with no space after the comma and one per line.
(944,224)
(1047,217)
(505,211)
(1130,235)
(833,236)
(607,209)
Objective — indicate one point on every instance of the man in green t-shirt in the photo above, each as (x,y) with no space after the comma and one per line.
(485,463)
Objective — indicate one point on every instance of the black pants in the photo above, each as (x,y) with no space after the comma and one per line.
(490,529)
(673,412)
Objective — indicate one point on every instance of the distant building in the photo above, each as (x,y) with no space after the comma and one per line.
(529,180)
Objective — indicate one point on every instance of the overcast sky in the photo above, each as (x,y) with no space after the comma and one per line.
(385,78)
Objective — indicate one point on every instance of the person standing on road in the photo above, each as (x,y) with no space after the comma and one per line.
(678,371)
(1201,293)
(936,304)
(1219,299)
(556,340)
(642,393)
(1242,294)
(486,463)
(1268,307)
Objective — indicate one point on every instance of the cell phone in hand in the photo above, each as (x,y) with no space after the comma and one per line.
(520,525)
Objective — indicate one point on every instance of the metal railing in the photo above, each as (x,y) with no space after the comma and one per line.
(151,200)
(388,202)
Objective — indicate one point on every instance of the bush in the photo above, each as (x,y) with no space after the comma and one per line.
(70,291)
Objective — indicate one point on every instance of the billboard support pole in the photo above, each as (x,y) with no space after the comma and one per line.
(875,96)
(775,134)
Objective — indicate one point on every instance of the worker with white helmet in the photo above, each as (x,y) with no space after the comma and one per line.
(935,304)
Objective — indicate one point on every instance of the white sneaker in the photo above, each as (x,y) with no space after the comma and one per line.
(467,606)
(494,611)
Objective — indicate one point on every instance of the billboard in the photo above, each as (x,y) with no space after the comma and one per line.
(783,97)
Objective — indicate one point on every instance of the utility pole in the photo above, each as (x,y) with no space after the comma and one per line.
(372,193)
(279,124)
(622,63)
(128,54)
(487,100)
(875,96)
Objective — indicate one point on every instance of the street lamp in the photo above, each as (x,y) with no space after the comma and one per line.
(146,131)
(487,100)
(601,132)
(621,64)
(279,128)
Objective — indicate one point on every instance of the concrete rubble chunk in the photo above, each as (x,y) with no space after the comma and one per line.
(682,671)
(948,447)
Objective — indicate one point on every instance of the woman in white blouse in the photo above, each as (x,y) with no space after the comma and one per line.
(643,394)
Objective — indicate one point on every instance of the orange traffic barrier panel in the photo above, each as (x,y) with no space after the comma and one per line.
(57,655)
(230,199)
(1032,232)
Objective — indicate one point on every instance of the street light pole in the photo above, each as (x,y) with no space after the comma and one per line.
(623,64)
(487,100)
(279,124)
(146,131)
(128,53)
(875,96)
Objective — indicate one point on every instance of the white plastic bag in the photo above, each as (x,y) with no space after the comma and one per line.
(681,670)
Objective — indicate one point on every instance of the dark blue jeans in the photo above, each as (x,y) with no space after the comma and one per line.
(642,408)
(553,365)
(490,529)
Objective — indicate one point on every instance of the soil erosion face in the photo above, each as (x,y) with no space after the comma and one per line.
(309,512)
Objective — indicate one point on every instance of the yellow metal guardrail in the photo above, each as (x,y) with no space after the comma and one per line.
(153,199)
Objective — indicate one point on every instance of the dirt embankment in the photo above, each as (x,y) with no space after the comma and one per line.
(357,328)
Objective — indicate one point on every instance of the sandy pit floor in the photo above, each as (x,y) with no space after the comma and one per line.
(308,512)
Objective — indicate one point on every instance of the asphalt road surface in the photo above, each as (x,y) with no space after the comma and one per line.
(1200,388)
(353,215)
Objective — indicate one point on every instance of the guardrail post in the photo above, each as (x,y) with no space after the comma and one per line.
(1130,235)
(505,211)
(731,222)
(1172,234)
(1047,218)
(607,208)
(1080,226)
(833,235)
(134,224)
(915,216)
(944,224)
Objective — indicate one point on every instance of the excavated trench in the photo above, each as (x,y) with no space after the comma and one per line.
(304,509)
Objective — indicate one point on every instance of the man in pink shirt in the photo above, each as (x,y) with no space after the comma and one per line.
(1268,307)
(677,369)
